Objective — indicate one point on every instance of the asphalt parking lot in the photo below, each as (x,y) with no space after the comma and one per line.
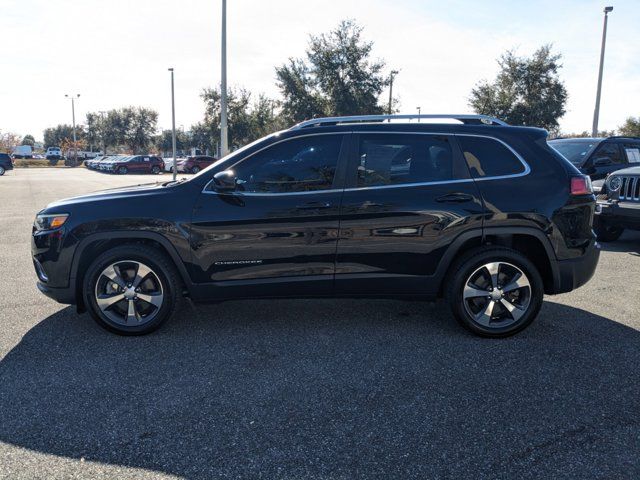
(336,389)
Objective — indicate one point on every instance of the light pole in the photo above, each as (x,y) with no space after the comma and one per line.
(224,146)
(419,109)
(173,128)
(596,112)
(103,129)
(73,117)
(391,77)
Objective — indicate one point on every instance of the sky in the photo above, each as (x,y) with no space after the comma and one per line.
(116,53)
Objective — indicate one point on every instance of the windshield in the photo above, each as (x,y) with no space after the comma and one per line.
(232,155)
(574,150)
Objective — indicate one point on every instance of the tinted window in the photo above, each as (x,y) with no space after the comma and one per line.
(632,151)
(399,158)
(575,151)
(609,151)
(298,165)
(488,158)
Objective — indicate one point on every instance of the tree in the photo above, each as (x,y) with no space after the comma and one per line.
(526,91)
(8,141)
(28,140)
(337,77)
(141,127)
(54,136)
(164,142)
(630,127)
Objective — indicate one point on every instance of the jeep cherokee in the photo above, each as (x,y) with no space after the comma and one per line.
(484,214)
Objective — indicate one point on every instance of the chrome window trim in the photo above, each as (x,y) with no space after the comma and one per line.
(525,172)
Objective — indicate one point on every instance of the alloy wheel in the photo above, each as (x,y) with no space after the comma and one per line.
(497,294)
(129,293)
(1,170)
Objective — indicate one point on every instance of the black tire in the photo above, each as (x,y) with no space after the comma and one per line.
(607,233)
(163,271)
(123,170)
(155,169)
(195,169)
(1,171)
(506,323)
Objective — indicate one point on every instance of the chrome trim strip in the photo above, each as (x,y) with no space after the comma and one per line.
(526,171)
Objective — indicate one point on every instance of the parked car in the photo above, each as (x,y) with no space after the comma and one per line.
(135,164)
(168,163)
(6,163)
(618,206)
(598,157)
(23,151)
(93,163)
(53,153)
(482,213)
(195,164)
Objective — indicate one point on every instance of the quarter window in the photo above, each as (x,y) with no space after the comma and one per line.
(487,157)
(632,150)
(299,165)
(392,159)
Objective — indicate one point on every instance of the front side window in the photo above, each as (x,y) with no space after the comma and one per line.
(487,157)
(393,159)
(298,165)
(610,152)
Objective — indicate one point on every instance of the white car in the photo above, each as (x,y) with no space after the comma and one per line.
(53,153)
(168,163)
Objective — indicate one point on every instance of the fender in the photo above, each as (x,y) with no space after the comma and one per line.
(130,235)
(481,234)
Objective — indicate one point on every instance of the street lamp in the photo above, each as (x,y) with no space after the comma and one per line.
(73,117)
(596,112)
(224,145)
(419,109)
(173,128)
(392,75)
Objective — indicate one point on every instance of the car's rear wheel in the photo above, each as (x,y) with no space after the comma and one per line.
(1,171)
(494,292)
(155,169)
(123,170)
(606,232)
(131,290)
(195,169)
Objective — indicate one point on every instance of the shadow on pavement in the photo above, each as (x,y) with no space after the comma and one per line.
(291,389)
(628,242)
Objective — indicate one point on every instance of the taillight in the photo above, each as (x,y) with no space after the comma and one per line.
(581,185)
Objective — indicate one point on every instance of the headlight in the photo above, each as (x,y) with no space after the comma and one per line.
(50,221)
(614,183)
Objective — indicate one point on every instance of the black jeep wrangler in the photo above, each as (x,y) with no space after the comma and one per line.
(483,214)
(618,206)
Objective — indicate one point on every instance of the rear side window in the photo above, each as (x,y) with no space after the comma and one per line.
(632,151)
(395,159)
(487,157)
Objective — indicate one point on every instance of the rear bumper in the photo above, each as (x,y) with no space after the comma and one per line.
(573,273)
(619,214)
(60,295)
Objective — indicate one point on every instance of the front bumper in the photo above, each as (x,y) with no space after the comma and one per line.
(60,295)
(573,273)
(619,214)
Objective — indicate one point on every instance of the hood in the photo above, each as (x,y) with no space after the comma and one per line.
(108,195)
(628,171)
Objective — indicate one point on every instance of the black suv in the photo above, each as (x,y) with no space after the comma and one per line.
(346,206)
(6,163)
(598,157)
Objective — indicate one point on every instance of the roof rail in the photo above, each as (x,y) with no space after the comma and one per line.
(465,118)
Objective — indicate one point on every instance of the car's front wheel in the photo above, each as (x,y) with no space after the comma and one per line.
(195,169)
(131,290)
(494,292)
(123,170)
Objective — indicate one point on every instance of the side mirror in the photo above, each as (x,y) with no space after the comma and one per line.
(601,162)
(225,181)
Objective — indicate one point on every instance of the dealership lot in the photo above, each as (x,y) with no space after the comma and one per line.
(311,388)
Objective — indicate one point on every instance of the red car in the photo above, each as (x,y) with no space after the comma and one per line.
(195,164)
(136,164)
